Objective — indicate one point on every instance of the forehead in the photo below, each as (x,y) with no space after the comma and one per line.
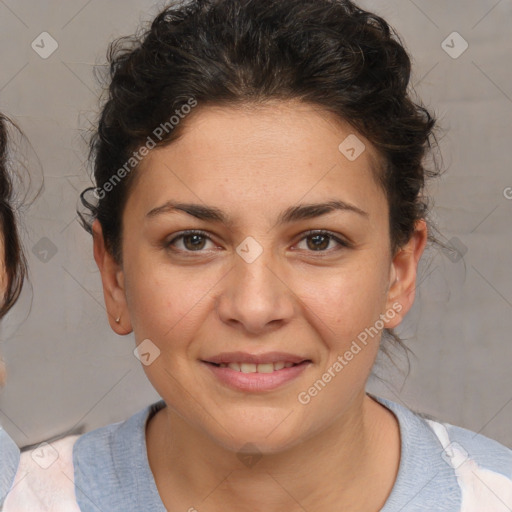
(283,153)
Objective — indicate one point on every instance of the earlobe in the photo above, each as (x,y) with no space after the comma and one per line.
(403,274)
(112,278)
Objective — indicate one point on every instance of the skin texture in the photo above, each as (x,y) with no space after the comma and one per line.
(253,163)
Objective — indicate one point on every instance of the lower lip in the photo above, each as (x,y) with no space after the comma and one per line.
(256,381)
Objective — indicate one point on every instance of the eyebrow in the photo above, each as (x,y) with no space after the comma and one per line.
(292,214)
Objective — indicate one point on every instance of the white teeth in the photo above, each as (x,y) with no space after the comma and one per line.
(257,368)
(265,368)
(247,367)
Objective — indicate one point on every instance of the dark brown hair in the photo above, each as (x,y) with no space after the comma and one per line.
(13,257)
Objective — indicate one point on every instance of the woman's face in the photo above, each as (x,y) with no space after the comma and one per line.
(255,282)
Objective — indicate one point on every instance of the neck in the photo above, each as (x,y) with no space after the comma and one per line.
(353,463)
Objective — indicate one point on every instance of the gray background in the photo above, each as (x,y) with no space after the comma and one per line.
(67,369)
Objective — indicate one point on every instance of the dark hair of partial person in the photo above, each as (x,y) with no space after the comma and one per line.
(13,257)
(330,54)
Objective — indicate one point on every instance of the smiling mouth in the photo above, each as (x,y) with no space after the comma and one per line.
(258,368)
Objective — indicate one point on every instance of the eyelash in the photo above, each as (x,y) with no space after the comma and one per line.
(313,232)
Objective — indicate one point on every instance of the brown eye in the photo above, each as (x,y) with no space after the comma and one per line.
(319,241)
(192,241)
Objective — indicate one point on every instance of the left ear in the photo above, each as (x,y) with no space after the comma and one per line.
(403,273)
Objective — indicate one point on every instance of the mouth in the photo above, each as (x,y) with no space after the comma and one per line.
(258,368)
(247,362)
(256,372)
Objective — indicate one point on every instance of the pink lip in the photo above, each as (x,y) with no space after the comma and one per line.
(256,381)
(245,357)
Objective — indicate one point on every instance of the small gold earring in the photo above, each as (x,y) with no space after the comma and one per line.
(118,319)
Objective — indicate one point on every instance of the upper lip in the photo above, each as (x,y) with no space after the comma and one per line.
(246,357)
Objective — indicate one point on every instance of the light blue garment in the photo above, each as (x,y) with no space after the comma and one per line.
(112,472)
(9,460)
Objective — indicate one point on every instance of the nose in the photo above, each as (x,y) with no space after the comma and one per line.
(255,296)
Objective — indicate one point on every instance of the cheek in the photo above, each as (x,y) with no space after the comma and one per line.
(153,306)
(346,300)
(165,303)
